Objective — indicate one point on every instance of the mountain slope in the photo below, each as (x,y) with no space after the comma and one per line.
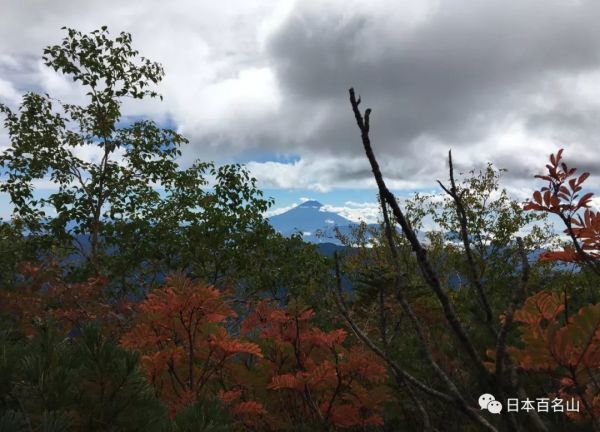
(309,218)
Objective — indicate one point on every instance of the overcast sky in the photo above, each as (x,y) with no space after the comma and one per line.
(264,82)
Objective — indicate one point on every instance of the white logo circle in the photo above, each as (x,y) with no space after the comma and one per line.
(485,399)
(494,407)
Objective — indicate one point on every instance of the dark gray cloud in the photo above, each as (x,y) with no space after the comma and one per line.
(453,80)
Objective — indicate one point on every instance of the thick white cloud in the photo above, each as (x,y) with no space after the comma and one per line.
(8,92)
(357,212)
(218,87)
(327,172)
(318,174)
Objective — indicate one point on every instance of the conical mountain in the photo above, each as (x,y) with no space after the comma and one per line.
(308,218)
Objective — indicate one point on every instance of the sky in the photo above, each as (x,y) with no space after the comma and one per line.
(265,83)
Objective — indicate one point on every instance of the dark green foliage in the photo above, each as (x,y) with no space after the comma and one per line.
(12,421)
(88,383)
(205,416)
(16,248)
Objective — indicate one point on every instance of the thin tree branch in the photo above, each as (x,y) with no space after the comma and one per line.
(427,270)
(517,298)
(503,363)
(464,233)
(398,372)
(590,261)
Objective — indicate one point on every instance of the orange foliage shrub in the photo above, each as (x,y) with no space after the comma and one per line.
(294,372)
(283,370)
(179,331)
(568,348)
(307,375)
(44,294)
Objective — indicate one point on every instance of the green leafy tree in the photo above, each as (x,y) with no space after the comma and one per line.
(47,135)
(132,214)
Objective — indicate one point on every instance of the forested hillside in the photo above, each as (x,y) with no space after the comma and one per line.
(144,295)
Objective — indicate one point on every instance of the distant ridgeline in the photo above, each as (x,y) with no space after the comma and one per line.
(318,226)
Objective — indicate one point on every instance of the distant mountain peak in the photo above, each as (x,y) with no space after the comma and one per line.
(313,222)
(311,204)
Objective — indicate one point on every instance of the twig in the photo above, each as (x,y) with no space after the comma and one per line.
(590,261)
(517,298)
(401,295)
(464,233)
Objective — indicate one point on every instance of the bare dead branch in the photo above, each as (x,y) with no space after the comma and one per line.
(382,317)
(427,270)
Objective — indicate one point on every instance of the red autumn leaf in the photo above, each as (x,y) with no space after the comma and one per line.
(559,199)
(229,396)
(252,408)
(286,381)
